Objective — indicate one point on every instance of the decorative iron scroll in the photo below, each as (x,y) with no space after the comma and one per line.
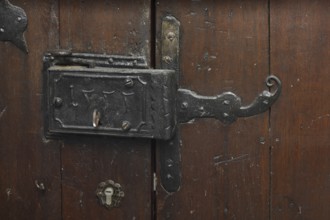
(13,23)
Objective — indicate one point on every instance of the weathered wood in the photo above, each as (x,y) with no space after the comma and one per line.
(300,122)
(26,158)
(113,27)
(241,171)
(225,168)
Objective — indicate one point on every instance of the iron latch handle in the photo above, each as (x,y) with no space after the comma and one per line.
(226,107)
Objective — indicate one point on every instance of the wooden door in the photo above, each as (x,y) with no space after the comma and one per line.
(225,169)
(271,166)
(69,169)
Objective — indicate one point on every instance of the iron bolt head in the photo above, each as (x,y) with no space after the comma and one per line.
(58,102)
(170,36)
(129,83)
(167,59)
(184,105)
(169,176)
(169,163)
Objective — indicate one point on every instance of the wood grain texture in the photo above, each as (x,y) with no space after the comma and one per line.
(112,27)
(106,26)
(224,47)
(26,158)
(300,122)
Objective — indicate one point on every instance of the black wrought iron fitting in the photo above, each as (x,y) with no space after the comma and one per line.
(13,23)
(111,95)
(226,107)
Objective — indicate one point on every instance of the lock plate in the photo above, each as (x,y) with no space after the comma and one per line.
(124,102)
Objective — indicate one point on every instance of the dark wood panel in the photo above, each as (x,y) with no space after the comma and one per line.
(225,168)
(300,121)
(26,158)
(88,161)
(113,27)
(105,26)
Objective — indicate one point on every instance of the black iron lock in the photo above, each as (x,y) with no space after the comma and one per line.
(121,96)
(112,95)
(116,99)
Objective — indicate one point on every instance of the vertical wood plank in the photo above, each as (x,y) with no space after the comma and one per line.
(26,158)
(300,122)
(113,27)
(224,47)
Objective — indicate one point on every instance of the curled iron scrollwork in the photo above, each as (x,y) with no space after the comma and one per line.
(265,99)
(226,107)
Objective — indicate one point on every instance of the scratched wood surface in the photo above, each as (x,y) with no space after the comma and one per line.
(261,167)
(300,45)
(225,169)
(26,158)
(113,27)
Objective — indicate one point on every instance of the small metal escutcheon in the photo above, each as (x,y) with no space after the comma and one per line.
(110,194)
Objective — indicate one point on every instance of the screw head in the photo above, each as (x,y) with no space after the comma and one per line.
(169,163)
(167,59)
(126,126)
(184,105)
(171,36)
(129,83)
(169,176)
(58,102)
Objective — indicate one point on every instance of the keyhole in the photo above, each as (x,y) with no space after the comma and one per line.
(96,118)
(108,195)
